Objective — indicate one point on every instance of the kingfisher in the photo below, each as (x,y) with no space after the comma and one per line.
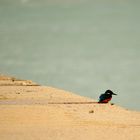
(106,97)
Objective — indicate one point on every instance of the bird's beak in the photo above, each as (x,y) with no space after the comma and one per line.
(114,94)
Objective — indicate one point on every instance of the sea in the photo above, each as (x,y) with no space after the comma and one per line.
(82,46)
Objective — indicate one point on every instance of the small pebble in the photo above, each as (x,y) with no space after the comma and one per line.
(91,111)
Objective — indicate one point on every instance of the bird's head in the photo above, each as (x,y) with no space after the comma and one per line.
(110,92)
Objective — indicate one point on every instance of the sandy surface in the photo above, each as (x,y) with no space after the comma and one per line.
(32,112)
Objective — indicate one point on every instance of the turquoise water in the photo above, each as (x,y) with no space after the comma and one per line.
(83,46)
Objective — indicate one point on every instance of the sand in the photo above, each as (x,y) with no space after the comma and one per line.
(32,112)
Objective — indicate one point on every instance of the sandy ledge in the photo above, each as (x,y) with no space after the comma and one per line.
(32,112)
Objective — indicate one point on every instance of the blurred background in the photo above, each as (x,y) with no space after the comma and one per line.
(82,46)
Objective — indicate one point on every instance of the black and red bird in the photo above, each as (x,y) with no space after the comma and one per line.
(106,97)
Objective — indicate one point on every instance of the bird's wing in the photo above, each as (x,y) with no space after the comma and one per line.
(102,97)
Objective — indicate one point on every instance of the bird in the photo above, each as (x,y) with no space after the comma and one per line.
(106,97)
